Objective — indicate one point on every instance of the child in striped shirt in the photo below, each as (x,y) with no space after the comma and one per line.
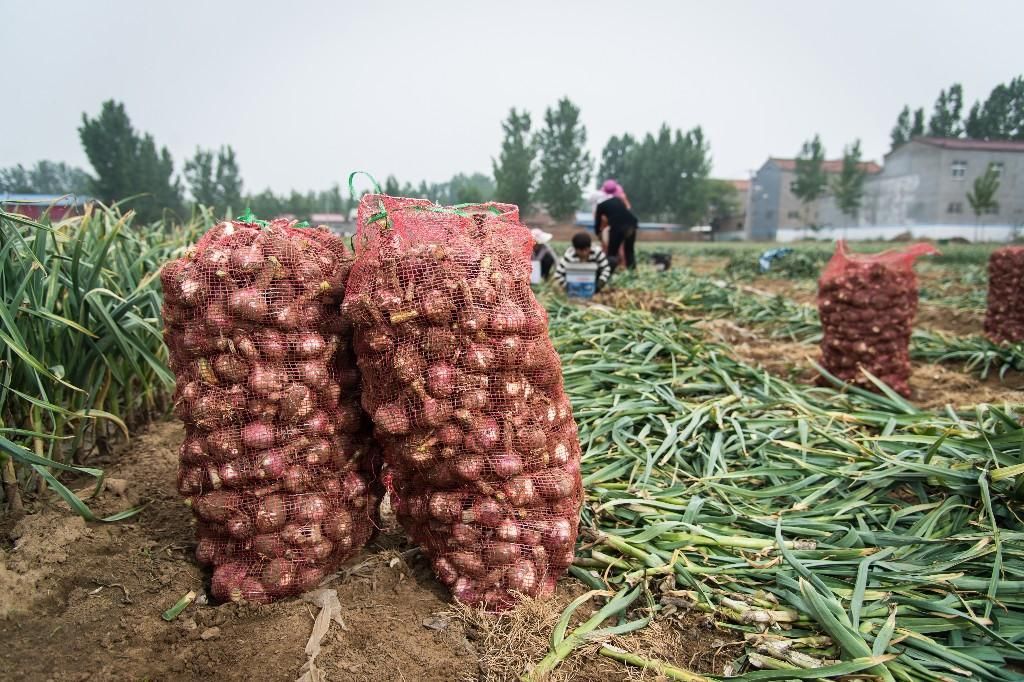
(582,251)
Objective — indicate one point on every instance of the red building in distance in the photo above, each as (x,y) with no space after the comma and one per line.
(34,206)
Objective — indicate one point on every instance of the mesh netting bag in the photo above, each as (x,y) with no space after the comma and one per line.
(466,394)
(1004,318)
(867,305)
(277,458)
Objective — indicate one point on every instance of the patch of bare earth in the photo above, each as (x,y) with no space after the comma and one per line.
(701,265)
(82,601)
(804,292)
(785,359)
(932,386)
(949,320)
(637,299)
(515,641)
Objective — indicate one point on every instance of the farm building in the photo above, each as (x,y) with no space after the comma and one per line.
(925,183)
(922,189)
(773,206)
(35,205)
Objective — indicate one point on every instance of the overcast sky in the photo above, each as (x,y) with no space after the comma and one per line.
(307,91)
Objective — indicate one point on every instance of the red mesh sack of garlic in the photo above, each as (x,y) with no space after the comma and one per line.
(867,304)
(276,461)
(1004,317)
(466,395)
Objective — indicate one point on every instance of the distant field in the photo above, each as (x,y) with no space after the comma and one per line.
(950,254)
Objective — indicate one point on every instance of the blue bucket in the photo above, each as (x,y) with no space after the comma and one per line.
(581,279)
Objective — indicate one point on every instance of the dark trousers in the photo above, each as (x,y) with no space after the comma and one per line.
(625,238)
(547,263)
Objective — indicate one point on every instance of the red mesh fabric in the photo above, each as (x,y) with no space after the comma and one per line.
(276,462)
(867,305)
(1004,318)
(465,391)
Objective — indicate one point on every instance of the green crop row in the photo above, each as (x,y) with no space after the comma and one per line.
(81,348)
(837,533)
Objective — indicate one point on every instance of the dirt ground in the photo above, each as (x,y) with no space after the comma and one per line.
(950,320)
(804,292)
(83,601)
(701,264)
(932,386)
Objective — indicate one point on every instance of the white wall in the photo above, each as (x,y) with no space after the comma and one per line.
(982,233)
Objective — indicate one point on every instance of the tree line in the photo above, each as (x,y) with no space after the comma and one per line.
(999,117)
(666,174)
(128,166)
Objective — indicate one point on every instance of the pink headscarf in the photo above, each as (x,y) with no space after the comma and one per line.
(613,188)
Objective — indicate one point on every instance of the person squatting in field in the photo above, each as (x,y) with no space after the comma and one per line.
(582,251)
(543,252)
(614,212)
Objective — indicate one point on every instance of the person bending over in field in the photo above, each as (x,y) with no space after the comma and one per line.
(582,251)
(621,225)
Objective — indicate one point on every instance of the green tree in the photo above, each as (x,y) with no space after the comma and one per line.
(613,157)
(229,179)
(648,174)
(945,120)
(16,179)
(724,203)
(330,200)
(45,177)
(811,181)
(300,205)
(111,145)
(157,187)
(514,169)
(199,176)
(565,164)
(690,168)
(901,131)
(470,194)
(471,189)
(917,127)
(216,183)
(982,198)
(423,190)
(265,204)
(848,186)
(438,192)
(666,174)
(975,127)
(1001,116)
(391,186)
(127,164)
(49,177)
(910,125)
